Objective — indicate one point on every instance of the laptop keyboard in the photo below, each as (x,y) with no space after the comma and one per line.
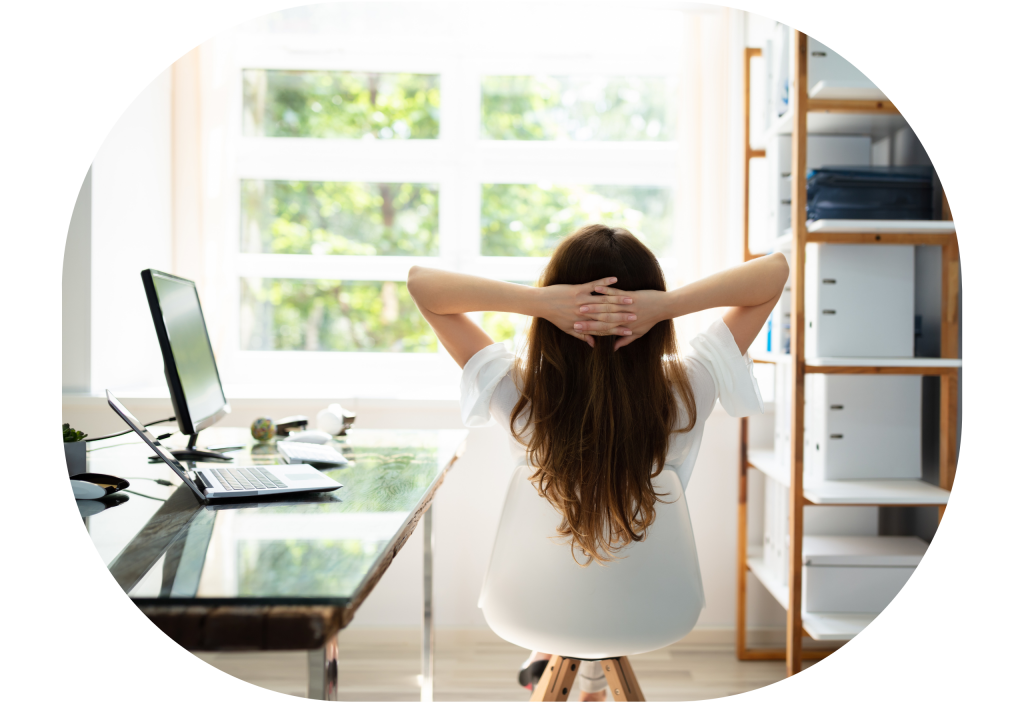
(246,478)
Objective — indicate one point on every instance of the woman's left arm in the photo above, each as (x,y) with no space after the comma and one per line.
(444,297)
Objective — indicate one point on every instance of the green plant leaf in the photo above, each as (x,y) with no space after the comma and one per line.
(72,435)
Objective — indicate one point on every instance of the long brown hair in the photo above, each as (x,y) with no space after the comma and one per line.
(597,422)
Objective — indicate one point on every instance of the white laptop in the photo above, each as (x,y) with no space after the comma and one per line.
(228,481)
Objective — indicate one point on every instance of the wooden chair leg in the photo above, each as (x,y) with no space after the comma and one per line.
(557,680)
(621,680)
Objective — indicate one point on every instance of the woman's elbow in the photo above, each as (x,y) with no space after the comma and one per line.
(413,281)
(781,269)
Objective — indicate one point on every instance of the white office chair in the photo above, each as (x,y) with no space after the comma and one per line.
(536,596)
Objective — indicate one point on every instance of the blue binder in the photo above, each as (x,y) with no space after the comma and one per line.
(870,193)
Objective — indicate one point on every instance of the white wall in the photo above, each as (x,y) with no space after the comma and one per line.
(76,295)
(131,231)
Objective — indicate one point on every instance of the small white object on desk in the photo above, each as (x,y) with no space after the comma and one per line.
(305,453)
(329,419)
(316,437)
(335,420)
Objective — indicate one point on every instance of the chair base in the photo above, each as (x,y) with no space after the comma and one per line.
(560,673)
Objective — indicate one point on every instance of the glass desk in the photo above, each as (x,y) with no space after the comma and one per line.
(279,573)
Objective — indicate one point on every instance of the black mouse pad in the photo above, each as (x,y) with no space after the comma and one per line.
(107,482)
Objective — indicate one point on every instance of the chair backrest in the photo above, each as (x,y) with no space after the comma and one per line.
(536,596)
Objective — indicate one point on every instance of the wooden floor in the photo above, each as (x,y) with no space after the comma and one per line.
(476,665)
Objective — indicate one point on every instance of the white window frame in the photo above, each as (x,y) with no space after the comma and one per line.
(458,162)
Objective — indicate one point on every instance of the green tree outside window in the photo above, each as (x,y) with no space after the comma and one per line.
(318,217)
(578,108)
(529,220)
(340,104)
(338,316)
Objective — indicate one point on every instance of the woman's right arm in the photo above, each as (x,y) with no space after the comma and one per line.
(751,290)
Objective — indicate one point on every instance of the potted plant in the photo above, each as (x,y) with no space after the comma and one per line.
(74,450)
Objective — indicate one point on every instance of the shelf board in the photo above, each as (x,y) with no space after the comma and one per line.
(926,366)
(935,227)
(835,626)
(875,492)
(865,365)
(876,124)
(865,492)
(764,461)
(845,90)
(819,626)
(906,232)
(775,587)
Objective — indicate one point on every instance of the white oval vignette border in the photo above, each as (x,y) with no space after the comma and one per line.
(70,631)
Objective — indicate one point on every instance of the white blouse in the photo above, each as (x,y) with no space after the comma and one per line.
(716,370)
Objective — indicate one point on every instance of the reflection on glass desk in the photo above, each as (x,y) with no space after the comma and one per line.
(329,548)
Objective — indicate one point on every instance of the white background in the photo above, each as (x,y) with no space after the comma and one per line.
(73,68)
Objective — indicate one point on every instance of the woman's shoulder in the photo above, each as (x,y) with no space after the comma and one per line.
(481,377)
(729,370)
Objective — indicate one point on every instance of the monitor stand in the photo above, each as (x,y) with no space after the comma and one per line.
(191,452)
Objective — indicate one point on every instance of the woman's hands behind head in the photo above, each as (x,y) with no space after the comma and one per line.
(561,304)
(640,310)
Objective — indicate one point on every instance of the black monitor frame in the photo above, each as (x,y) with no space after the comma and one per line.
(186,424)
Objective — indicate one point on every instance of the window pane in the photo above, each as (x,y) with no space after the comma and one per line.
(334,316)
(528,220)
(611,108)
(510,328)
(316,217)
(340,104)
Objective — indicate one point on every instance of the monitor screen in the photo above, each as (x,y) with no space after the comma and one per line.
(190,352)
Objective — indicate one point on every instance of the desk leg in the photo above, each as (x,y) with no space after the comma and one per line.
(427,686)
(323,672)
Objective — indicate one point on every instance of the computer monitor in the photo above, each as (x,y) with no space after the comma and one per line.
(189,365)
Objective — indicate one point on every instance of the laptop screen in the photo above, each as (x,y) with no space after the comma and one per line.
(159,449)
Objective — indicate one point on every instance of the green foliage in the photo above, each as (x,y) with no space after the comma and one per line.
(72,435)
(339,316)
(613,108)
(528,220)
(315,217)
(341,104)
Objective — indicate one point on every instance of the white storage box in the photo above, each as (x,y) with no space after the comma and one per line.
(833,521)
(780,318)
(859,300)
(776,528)
(783,413)
(862,426)
(779,61)
(857,574)
(829,75)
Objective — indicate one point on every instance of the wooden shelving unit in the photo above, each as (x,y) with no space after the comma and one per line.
(836,116)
